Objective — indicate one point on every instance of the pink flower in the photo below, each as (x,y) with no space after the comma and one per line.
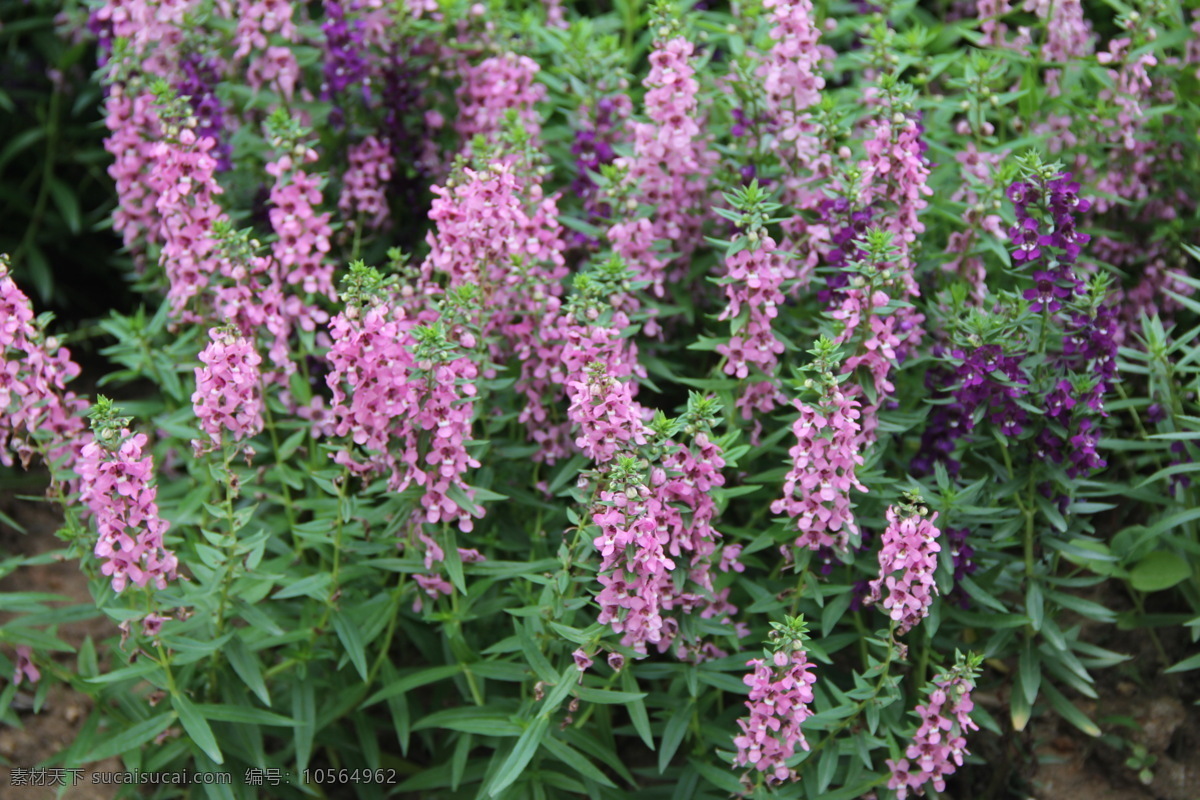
(302,232)
(608,418)
(816,491)
(493,87)
(780,695)
(228,395)
(182,175)
(364,183)
(116,486)
(36,410)
(582,662)
(756,277)
(906,565)
(669,167)
(940,744)
(25,670)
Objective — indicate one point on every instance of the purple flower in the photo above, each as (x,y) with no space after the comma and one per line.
(344,63)
(1025,237)
(1046,292)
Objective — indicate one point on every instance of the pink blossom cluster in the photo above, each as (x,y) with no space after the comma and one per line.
(780,696)
(34,372)
(609,420)
(303,232)
(228,394)
(116,485)
(493,87)
(940,743)
(907,562)
(154,30)
(756,278)
(896,175)
(392,400)
(133,125)
(791,77)
(816,491)
(1068,34)
(364,184)
(669,166)
(877,350)
(559,354)
(632,563)
(276,68)
(482,225)
(258,21)
(684,483)
(182,176)
(494,229)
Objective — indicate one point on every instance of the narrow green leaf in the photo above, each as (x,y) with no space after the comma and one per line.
(1190,663)
(673,735)
(241,714)
(351,639)
(576,761)
(1068,711)
(313,586)
(247,667)
(607,697)
(637,708)
(485,721)
(131,738)
(522,753)
(1029,672)
(304,710)
(453,560)
(197,727)
(412,680)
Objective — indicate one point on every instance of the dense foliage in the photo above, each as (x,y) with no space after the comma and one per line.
(509,375)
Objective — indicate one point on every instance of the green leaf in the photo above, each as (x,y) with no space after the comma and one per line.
(197,727)
(607,697)
(313,586)
(1188,664)
(351,639)
(720,777)
(247,667)
(673,735)
(522,753)
(484,721)
(304,710)
(1029,672)
(412,680)
(242,714)
(131,738)
(576,761)
(454,566)
(1158,571)
(1068,711)
(1035,606)
(637,708)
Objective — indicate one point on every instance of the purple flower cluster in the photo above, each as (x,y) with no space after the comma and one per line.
(977,388)
(344,45)
(1060,201)
(846,226)
(198,85)
(593,148)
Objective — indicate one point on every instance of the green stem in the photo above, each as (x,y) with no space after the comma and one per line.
(227,579)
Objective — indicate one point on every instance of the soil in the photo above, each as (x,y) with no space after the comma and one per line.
(46,733)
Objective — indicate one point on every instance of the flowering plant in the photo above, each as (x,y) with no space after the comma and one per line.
(505,373)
